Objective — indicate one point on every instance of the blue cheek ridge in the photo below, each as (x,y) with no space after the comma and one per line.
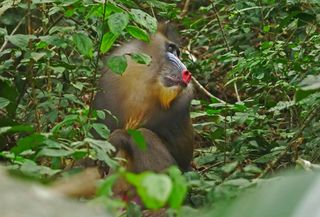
(175,61)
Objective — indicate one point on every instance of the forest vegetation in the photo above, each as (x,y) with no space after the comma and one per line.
(256,110)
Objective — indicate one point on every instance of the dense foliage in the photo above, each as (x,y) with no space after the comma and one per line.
(260,58)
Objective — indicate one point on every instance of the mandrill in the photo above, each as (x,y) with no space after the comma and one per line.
(154,99)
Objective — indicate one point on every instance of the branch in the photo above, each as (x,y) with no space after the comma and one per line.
(204,91)
(185,8)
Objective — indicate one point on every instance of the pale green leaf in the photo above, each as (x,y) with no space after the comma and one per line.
(141,58)
(117,22)
(144,19)
(108,40)
(83,44)
(138,33)
(117,64)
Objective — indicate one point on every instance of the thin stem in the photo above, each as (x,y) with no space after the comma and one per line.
(227,45)
(12,33)
(94,77)
(30,71)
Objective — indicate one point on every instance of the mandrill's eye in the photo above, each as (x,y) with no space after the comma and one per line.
(172,48)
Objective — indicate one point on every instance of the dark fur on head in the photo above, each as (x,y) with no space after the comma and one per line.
(169,30)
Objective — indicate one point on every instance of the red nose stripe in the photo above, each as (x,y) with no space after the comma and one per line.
(186,76)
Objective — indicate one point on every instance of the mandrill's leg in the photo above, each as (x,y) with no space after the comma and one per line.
(155,158)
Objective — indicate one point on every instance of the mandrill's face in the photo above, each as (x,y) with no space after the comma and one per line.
(174,72)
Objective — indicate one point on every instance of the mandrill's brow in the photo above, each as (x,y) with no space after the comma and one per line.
(173,48)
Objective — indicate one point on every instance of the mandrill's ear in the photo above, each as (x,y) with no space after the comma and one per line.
(169,31)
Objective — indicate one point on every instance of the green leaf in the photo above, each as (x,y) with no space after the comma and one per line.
(30,168)
(19,40)
(54,152)
(105,188)
(311,82)
(4,102)
(141,58)
(241,182)
(138,138)
(73,98)
(83,44)
(144,20)
(179,190)
(67,121)
(266,28)
(28,143)
(229,167)
(152,197)
(3,31)
(117,22)
(4,130)
(112,7)
(54,40)
(37,55)
(22,128)
(251,168)
(17,128)
(281,106)
(102,148)
(117,64)
(138,33)
(101,129)
(108,40)
(43,1)
(101,115)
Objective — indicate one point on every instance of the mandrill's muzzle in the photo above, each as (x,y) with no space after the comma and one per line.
(186,77)
(178,73)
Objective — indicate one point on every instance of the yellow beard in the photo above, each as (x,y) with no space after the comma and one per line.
(167,95)
(147,101)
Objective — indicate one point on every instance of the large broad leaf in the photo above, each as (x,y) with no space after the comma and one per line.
(28,143)
(54,152)
(179,188)
(101,129)
(108,40)
(117,64)
(83,44)
(17,128)
(117,22)
(19,40)
(138,33)
(153,189)
(144,19)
